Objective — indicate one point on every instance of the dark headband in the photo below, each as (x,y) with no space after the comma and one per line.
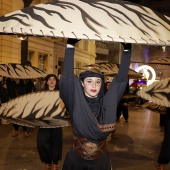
(88,73)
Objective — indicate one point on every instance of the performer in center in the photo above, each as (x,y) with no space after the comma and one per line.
(92,114)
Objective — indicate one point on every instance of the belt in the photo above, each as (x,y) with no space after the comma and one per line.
(88,150)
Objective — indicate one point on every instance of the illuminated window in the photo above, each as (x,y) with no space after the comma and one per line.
(42,61)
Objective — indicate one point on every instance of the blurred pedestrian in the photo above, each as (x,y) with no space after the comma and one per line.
(4,97)
(123,106)
(16,88)
(39,84)
(29,86)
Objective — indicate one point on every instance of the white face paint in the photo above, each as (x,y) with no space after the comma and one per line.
(51,83)
(92,86)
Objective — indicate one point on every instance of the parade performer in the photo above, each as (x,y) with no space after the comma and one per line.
(164,155)
(92,114)
(49,140)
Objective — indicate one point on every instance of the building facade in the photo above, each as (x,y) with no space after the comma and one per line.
(48,53)
(44,53)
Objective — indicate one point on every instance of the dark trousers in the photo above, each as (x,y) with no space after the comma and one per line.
(164,155)
(163,120)
(122,108)
(49,144)
(16,127)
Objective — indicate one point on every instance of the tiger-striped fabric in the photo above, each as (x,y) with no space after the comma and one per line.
(155,107)
(164,61)
(42,109)
(21,71)
(109,69)
(158,92)
(111,20)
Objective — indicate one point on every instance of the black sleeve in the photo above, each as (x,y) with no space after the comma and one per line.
(4,95)
(67,79)
(124,67)
(69,62)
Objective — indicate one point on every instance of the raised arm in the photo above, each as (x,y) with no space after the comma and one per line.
(69,58)
(67,77)
(124,66)
(117,88)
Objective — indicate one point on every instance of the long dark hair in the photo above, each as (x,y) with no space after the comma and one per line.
(46,79)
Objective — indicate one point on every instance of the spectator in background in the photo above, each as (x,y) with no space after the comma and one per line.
(123,106)
(3,92)
(4,97)
(134,87)
(39,84)
(107,85)
(29,86)
(16,87)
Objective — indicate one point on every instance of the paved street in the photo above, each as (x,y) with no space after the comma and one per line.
(137,147)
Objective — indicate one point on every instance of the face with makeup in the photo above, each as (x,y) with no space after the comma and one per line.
(51,83)
(92,86)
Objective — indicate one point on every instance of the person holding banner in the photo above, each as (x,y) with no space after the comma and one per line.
(92,114)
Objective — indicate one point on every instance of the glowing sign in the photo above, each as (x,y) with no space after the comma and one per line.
(148,73)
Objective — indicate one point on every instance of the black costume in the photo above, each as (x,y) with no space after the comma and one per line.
(15,90)
(49,140)
(49,144)
(4,97)
(122,107)
(92,119)
(164,155)
(20,89)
